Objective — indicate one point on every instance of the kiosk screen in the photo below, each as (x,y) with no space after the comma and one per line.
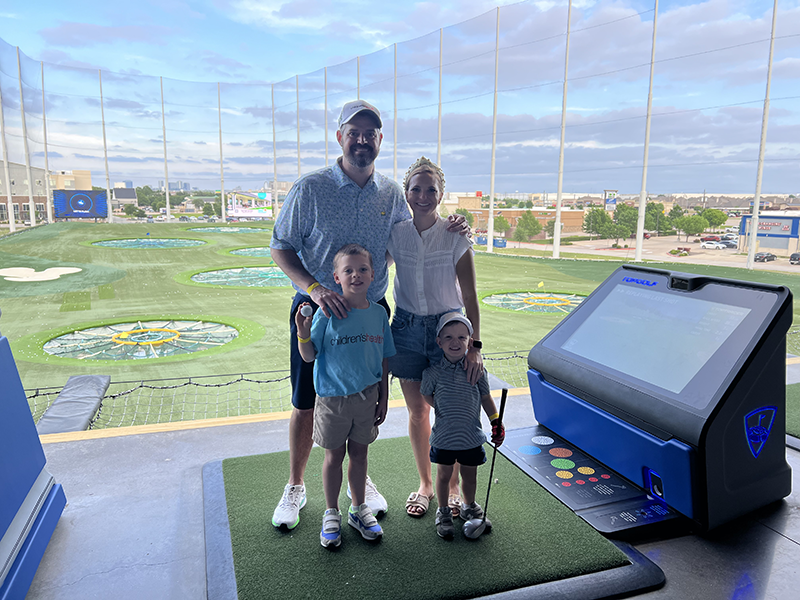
(663,339)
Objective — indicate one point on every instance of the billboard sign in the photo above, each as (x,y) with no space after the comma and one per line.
(80,204)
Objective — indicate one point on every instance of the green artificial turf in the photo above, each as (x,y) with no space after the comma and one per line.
(793,410)
(124,284)
(76,301)
(535,538)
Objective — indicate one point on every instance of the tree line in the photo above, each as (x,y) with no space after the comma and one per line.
(616,225)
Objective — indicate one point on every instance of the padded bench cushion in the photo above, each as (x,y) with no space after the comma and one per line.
(75,405)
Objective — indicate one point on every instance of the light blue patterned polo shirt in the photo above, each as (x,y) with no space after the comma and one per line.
(326,209)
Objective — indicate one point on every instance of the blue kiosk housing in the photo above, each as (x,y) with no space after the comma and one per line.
(31,502)
(676,382)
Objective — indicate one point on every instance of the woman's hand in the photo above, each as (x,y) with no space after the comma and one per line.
(473,365)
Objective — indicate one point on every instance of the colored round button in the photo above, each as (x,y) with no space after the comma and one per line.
(586,470)
(561,452)
(530,450)
(564,474)
(542,440)
(562,463)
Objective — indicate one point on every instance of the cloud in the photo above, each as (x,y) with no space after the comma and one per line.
(82,35)
(221,65)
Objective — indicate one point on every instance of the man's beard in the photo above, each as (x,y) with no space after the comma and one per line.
(362,160)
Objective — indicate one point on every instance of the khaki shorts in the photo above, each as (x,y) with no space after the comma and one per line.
(341,418)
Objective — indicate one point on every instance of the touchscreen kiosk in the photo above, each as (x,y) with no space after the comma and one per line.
(678,383)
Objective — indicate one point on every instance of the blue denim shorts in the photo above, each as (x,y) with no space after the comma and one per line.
(415,341)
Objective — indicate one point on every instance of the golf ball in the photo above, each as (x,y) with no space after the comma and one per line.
(307,311)
(497,481)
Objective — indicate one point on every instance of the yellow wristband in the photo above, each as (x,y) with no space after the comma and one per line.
(303,340)
(312,287)
(494,416)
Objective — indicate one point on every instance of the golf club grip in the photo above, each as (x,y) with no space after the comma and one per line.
(503,397)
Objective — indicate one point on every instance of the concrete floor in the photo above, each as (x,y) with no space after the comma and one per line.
(133,525)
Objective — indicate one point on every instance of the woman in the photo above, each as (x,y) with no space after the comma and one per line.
(435,274)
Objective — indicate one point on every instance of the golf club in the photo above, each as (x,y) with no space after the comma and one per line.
(474,528)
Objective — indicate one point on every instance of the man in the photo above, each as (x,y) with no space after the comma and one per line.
(348,202)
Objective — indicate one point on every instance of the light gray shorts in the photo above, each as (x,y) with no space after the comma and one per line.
(341,418)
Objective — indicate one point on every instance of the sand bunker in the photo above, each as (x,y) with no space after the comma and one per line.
(26,274)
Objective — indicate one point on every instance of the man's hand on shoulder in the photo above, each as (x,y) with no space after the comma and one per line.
(458,224)
(330,302)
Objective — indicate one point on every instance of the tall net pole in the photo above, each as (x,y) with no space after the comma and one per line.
(326,116)
(31,205)
(274,158)
(557,228)
(12,225)
(223,208)
(395,114)
(49,201)
(490,227)
(753,238)
(297,92)
(439,126)
(358,77)
(105,148)
(643,192)
(164,138)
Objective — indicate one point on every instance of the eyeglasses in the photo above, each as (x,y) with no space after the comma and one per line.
(370,135)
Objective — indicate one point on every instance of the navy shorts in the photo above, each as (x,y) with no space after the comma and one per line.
(301,373)
(469,458)
(415,341)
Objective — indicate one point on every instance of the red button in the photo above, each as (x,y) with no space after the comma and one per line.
(566,484)
(605,476)
(593,479)
(580,481)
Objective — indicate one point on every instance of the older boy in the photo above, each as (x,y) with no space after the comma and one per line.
(457,435)
(351,377)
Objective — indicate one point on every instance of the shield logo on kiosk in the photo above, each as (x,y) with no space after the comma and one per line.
(757,427)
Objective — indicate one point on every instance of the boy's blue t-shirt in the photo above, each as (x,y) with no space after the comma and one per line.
(350,351)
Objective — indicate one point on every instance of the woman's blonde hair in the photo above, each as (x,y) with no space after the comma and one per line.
(424,165)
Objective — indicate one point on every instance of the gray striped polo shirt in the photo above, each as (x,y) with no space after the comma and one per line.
(457,405)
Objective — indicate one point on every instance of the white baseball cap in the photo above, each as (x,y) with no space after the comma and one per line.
(351,109)
(452,317)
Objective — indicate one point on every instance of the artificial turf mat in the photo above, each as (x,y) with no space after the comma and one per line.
(535,538)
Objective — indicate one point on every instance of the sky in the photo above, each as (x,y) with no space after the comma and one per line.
(217,61)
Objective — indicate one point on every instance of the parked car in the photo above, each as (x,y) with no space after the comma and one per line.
(732,229)
(730,236)
(764,256)
(645,235)
(713,245)
(710,238)
(729,243)
(794,259)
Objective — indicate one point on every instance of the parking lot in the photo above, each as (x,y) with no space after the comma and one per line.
(657,248)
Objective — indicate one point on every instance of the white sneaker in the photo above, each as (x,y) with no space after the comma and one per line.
(287,513)
(362,519)
(331,534)
(374,499)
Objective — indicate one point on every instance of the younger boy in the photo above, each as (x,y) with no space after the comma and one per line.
(351,378)
(457,433)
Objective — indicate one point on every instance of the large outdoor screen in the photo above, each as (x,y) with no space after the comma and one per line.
(663,339)
(80,204)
